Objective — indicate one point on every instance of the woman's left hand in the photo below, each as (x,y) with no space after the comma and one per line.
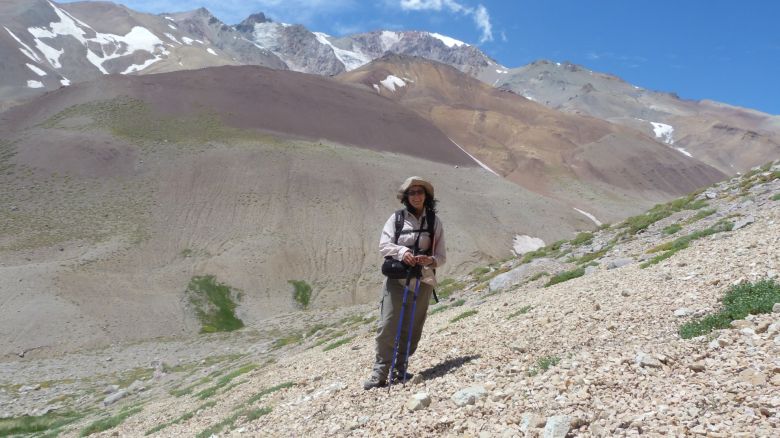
(424,260)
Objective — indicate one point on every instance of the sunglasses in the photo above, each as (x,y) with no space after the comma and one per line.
(415,192)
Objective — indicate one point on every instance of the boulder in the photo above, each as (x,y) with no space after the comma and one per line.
(418,401)
(469,396)
(619,263)
(557,426)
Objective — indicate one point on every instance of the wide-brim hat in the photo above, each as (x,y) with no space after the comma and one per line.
(415,181)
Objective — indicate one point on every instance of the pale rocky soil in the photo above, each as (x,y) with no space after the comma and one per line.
(623,369)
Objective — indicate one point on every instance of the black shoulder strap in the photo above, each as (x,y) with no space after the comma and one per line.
(430,218)
(399,224)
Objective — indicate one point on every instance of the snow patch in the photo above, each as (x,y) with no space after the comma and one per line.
(65,82)
(483,165)
(664,132)
(188,41)
(34,84)
(111,46)
(36,70)
(589,216)
(502,71)
(389,39)
(449,42)
(25,49)
(390,82)
(211,51)
(172,38)
(169,18)
(350,59)
(376,87)
(522,244)
(684,152)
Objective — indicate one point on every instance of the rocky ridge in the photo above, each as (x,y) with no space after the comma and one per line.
(598,355)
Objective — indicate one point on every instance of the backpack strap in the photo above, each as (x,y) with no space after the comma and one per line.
(399,224)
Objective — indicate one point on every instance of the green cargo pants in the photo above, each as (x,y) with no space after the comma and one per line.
(389,313)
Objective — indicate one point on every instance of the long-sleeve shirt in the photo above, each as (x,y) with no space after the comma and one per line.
(406,240)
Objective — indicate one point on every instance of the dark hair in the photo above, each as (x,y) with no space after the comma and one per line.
(429,204)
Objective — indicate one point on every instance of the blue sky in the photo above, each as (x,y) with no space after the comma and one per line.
(727,51)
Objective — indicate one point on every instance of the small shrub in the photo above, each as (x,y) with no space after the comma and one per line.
(301,293)
(224,380)
(582,239)
(701,215)
(522,311)
(338,343)
(110,422)
(214,305)
(543,364)
(671,229)
(30,424)
(267,391)
(565,276)
(776,197)
(446,287)
(476,272)
(458,303)
(538,275)
(465,314)
(740,301)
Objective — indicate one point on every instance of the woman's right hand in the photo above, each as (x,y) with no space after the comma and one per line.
(409,258)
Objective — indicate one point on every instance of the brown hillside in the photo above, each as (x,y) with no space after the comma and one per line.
(539,148)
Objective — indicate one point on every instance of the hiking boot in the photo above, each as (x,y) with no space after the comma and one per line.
(402,376)
(374,382)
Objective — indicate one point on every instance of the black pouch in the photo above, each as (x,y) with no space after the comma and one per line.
(395,269)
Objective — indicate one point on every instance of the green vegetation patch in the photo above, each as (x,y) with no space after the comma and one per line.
(584,238)
(739,302)
(292,338)
(701,214)
(668,249)
(522,311)
(7,152)
(565,276)
(224,380)
(539,275)
(184,417)
(41,423)
(553,251)
(543,364)
(776,197)
(267,391)
(671,229)
(301,293)
(248,414)
(446,287)
(214,305)
(338,343)
(110,422)
(463,315)
(639,223)
(135,120)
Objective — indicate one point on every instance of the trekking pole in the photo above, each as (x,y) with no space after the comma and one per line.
(398,331)
(411,326)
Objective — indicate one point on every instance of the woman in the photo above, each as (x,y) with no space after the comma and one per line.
(416,194)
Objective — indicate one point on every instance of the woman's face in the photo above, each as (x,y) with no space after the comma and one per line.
(416,196)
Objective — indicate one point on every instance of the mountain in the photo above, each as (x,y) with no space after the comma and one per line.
(595,166)
(728,138)
(46,45)
(117,192)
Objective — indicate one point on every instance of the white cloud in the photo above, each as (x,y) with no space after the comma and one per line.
(480,14)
